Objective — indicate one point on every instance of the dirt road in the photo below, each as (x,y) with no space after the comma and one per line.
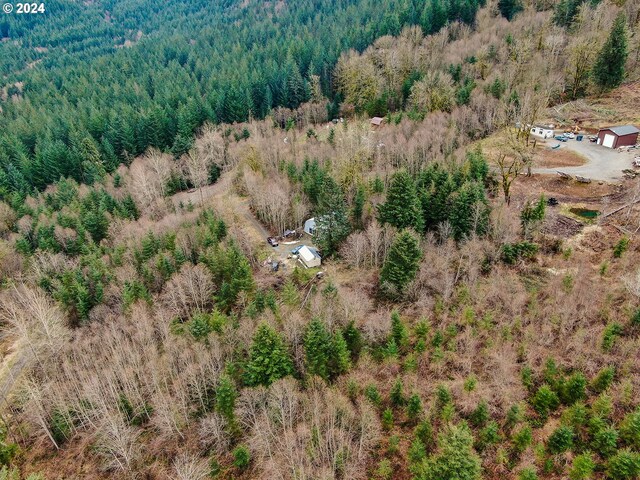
(235,208)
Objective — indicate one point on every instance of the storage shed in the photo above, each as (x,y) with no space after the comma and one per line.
(309,257)
(310,226)
(377,121)
(614,137)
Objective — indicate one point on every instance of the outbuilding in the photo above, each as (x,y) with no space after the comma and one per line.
(542,131)
(614,137)
(377,121)
(310,226)
(309,257)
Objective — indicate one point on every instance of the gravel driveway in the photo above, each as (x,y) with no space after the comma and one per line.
(602,163)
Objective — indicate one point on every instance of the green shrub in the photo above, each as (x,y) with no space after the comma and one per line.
(424,433)
(630,430)
(603,379)
(605,441)
(635,318)
(512,252)
(480,415)
(455,459)
(574,389)
(384,471)
(394,445)
(624,465)
(545,401)
(373,395)
(522,438)
(215,469)
(132,415)
(514,416)
(414,407)
(527,377)
(489,435)
(575,416)
(611,332)
(14,474)
(602,406)
(582,467)
(397,396)
(443,397)
(60,427)
(470,383)
(387,419)
(241,457)
(7,450)
(528,474)
(620,247)
(561,440)
(551,373)
(417,452)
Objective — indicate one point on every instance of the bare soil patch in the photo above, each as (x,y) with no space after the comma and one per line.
(548,158)
(562,226)
(564,190)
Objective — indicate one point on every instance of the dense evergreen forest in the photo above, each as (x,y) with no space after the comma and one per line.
(90,85)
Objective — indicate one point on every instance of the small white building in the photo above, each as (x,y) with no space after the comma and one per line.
(310,226)
(542,131)
(309,257)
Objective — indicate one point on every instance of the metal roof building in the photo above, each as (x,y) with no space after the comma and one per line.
(621,136)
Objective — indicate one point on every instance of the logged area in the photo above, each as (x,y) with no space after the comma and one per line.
(345,239)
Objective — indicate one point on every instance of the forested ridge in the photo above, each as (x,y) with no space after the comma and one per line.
(74,105)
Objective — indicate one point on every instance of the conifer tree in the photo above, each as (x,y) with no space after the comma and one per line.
(358,208)
(399,331)
(469,211)
(401,264)
(608,71)
(414,407)
(339,357)
(508,8)
(402,208)
(317,348)
(455,458)
(353,338)
(332,221)
(565,12)
(268,359)
(396,395)
(226,395)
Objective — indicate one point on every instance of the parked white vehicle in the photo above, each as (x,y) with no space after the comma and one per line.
(569,135)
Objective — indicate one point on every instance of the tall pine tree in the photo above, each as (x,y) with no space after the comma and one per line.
(269,359)
(401,264)
(402,208)
(508,8)
(317,346)
(332,221)
(608,71)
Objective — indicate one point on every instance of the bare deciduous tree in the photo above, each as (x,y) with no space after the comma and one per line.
(189,467)
(190,290)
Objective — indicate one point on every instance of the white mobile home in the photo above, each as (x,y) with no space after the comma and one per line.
(542,131)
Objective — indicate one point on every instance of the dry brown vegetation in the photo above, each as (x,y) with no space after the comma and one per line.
(133,392)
